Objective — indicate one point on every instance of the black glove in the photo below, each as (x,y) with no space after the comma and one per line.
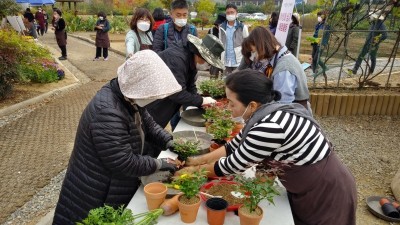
(164,165)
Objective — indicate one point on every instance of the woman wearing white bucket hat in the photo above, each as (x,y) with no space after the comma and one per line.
(108,156)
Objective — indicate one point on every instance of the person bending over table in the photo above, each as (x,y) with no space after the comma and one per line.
(320,188)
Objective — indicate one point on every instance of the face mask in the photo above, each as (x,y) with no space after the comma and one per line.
(319,19)
(180,22)
(240,119)
(101,18)
(40,10)
(254,56)
(143,26)
(230,17)
(203,67)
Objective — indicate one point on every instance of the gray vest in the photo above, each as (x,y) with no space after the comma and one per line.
(237,35)
(290,63)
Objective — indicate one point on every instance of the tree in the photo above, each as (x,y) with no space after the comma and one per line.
(348,15)
(166,4)
(250,8)
(205,6)
(268,7)
(152,4)
(8,8)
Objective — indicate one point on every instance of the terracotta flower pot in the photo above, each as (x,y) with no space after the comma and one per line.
(237,128)
(155,194)
(188,212)
(250,218)
(216,210)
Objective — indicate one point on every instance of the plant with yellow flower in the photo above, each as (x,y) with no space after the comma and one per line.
(189,183)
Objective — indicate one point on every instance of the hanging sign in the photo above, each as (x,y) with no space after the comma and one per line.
(285,19)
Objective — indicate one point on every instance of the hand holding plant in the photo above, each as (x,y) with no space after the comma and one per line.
(186,148)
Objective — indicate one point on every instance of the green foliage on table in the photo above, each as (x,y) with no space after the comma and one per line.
(186,148)
(107,215)
(213,87)
(214,112)
(190,183)
(256,189)
(221,128)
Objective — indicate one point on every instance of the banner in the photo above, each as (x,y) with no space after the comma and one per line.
(285,19)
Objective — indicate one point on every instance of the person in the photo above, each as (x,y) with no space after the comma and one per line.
(231,33)
(214,71)
(293,34)
(176,31)
(273,22)
(215,29)
(159,19)
(108,157)
(39,17)
(316,50)
(46,21)
(29,15)
(102,40)
(30,26)
(321,189)
(262,52)
(375,37)
(139,37)
(60,33)
(184,61)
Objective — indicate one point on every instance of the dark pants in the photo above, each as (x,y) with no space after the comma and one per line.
(315,58)
(63,50)
(41,30)
(372,50)
(98,52)
(46,27)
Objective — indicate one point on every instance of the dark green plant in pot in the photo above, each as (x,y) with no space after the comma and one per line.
(213,87)
(186,148)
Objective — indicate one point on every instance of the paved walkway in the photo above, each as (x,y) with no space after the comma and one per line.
(37,146)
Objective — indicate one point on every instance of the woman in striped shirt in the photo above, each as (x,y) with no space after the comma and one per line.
(321,189)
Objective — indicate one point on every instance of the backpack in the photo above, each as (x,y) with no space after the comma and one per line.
(192,30)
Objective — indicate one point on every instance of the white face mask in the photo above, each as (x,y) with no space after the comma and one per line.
(254,56)
(101,18)
(240,119)
(319,19)
(143,25)
(180,22)
(203,67)
(230,17)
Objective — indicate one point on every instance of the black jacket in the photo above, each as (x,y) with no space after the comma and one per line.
(180,61)
(106,160)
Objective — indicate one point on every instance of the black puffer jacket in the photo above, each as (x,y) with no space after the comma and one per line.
(106,160)
(181,63)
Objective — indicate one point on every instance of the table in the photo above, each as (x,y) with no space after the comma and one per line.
(278,214)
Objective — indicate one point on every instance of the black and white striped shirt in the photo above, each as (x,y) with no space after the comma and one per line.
(282,136)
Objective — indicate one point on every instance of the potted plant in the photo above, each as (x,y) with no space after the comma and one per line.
(186,148)
(213,87)
(109,215)
(255,189)
(189,202)
(221,130)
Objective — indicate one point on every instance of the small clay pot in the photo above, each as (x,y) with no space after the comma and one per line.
(155,194)
(216,210)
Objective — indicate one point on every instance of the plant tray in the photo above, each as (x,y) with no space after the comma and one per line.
(227,196)
(375,208)
(194,117)
(202,137)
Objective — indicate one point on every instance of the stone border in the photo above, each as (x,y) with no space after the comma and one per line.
(354,104)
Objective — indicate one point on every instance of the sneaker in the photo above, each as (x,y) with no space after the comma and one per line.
(105,59)
(62,58)
(96,59)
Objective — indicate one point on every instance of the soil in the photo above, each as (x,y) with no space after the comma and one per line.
(189,201)
(225,190)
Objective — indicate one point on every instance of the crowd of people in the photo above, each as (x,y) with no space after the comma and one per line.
(121,131)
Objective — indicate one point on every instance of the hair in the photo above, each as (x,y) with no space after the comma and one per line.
(58,12)
(323,15)
(179,4)
(28,9)
(274,19)
(158,14)
(139,13)
(295,21)
(230,5)
(264,41)
(102,14)
(251,85)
